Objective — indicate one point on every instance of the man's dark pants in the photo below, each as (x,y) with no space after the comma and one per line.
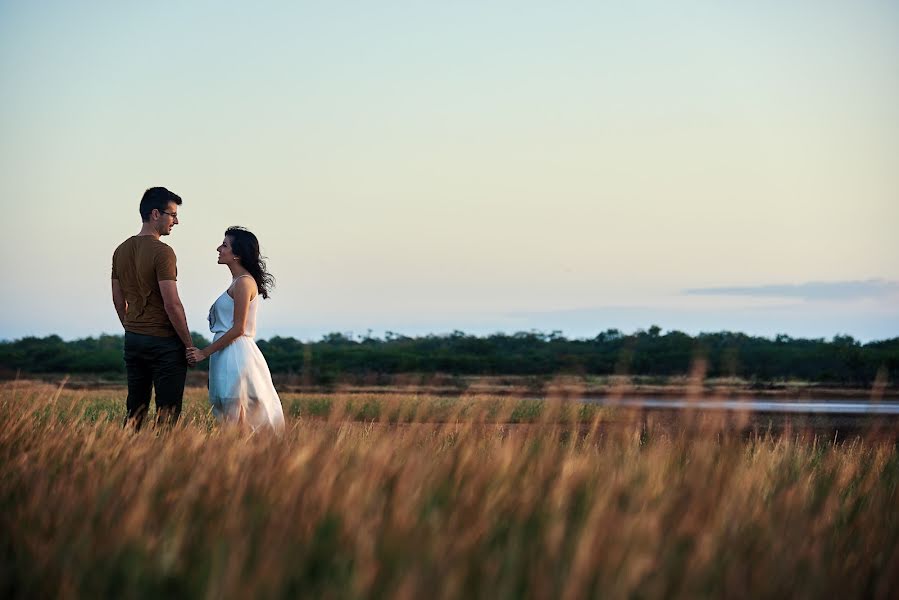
(158,362)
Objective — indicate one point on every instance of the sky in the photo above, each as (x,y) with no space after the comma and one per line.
(423,167)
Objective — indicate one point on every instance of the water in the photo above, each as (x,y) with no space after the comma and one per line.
(842,407)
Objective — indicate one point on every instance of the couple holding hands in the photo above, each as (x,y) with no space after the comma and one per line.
(158,345)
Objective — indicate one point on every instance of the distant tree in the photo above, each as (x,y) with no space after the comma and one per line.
(842,360)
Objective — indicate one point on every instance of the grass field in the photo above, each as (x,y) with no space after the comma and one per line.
(411,496)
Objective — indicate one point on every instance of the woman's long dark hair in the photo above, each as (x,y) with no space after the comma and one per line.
(245,246)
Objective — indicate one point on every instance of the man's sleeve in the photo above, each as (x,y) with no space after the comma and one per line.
(115,275)
(166,265)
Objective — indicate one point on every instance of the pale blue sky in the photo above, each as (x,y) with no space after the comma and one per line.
(421,167)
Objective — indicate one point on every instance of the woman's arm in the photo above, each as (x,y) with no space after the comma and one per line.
(242,292)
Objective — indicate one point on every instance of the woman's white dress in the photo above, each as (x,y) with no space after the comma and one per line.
(239,378)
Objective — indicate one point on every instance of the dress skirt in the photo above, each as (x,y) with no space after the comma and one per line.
(241,388)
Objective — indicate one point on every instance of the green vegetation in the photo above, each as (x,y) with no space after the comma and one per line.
(841,360)
(571,505)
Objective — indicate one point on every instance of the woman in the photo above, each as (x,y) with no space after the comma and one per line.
(240,384)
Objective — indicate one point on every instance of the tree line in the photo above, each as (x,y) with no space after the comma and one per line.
(840,360)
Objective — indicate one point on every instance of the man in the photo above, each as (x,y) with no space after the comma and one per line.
(146,299)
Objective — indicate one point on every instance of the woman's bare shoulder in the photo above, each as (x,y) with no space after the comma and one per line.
(245,286)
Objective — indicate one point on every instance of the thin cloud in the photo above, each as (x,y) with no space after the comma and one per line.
(814,290)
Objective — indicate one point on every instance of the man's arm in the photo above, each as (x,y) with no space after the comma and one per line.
(175,310)
(118,300)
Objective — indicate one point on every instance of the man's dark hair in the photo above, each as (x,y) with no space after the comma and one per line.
(158,198)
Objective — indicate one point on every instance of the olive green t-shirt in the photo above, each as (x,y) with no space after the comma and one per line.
(140,263)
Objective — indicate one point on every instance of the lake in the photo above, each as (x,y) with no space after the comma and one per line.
(843,407)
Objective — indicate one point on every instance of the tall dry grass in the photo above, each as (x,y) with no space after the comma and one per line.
(433,498)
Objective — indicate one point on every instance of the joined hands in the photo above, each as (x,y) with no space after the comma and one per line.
(194,356)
